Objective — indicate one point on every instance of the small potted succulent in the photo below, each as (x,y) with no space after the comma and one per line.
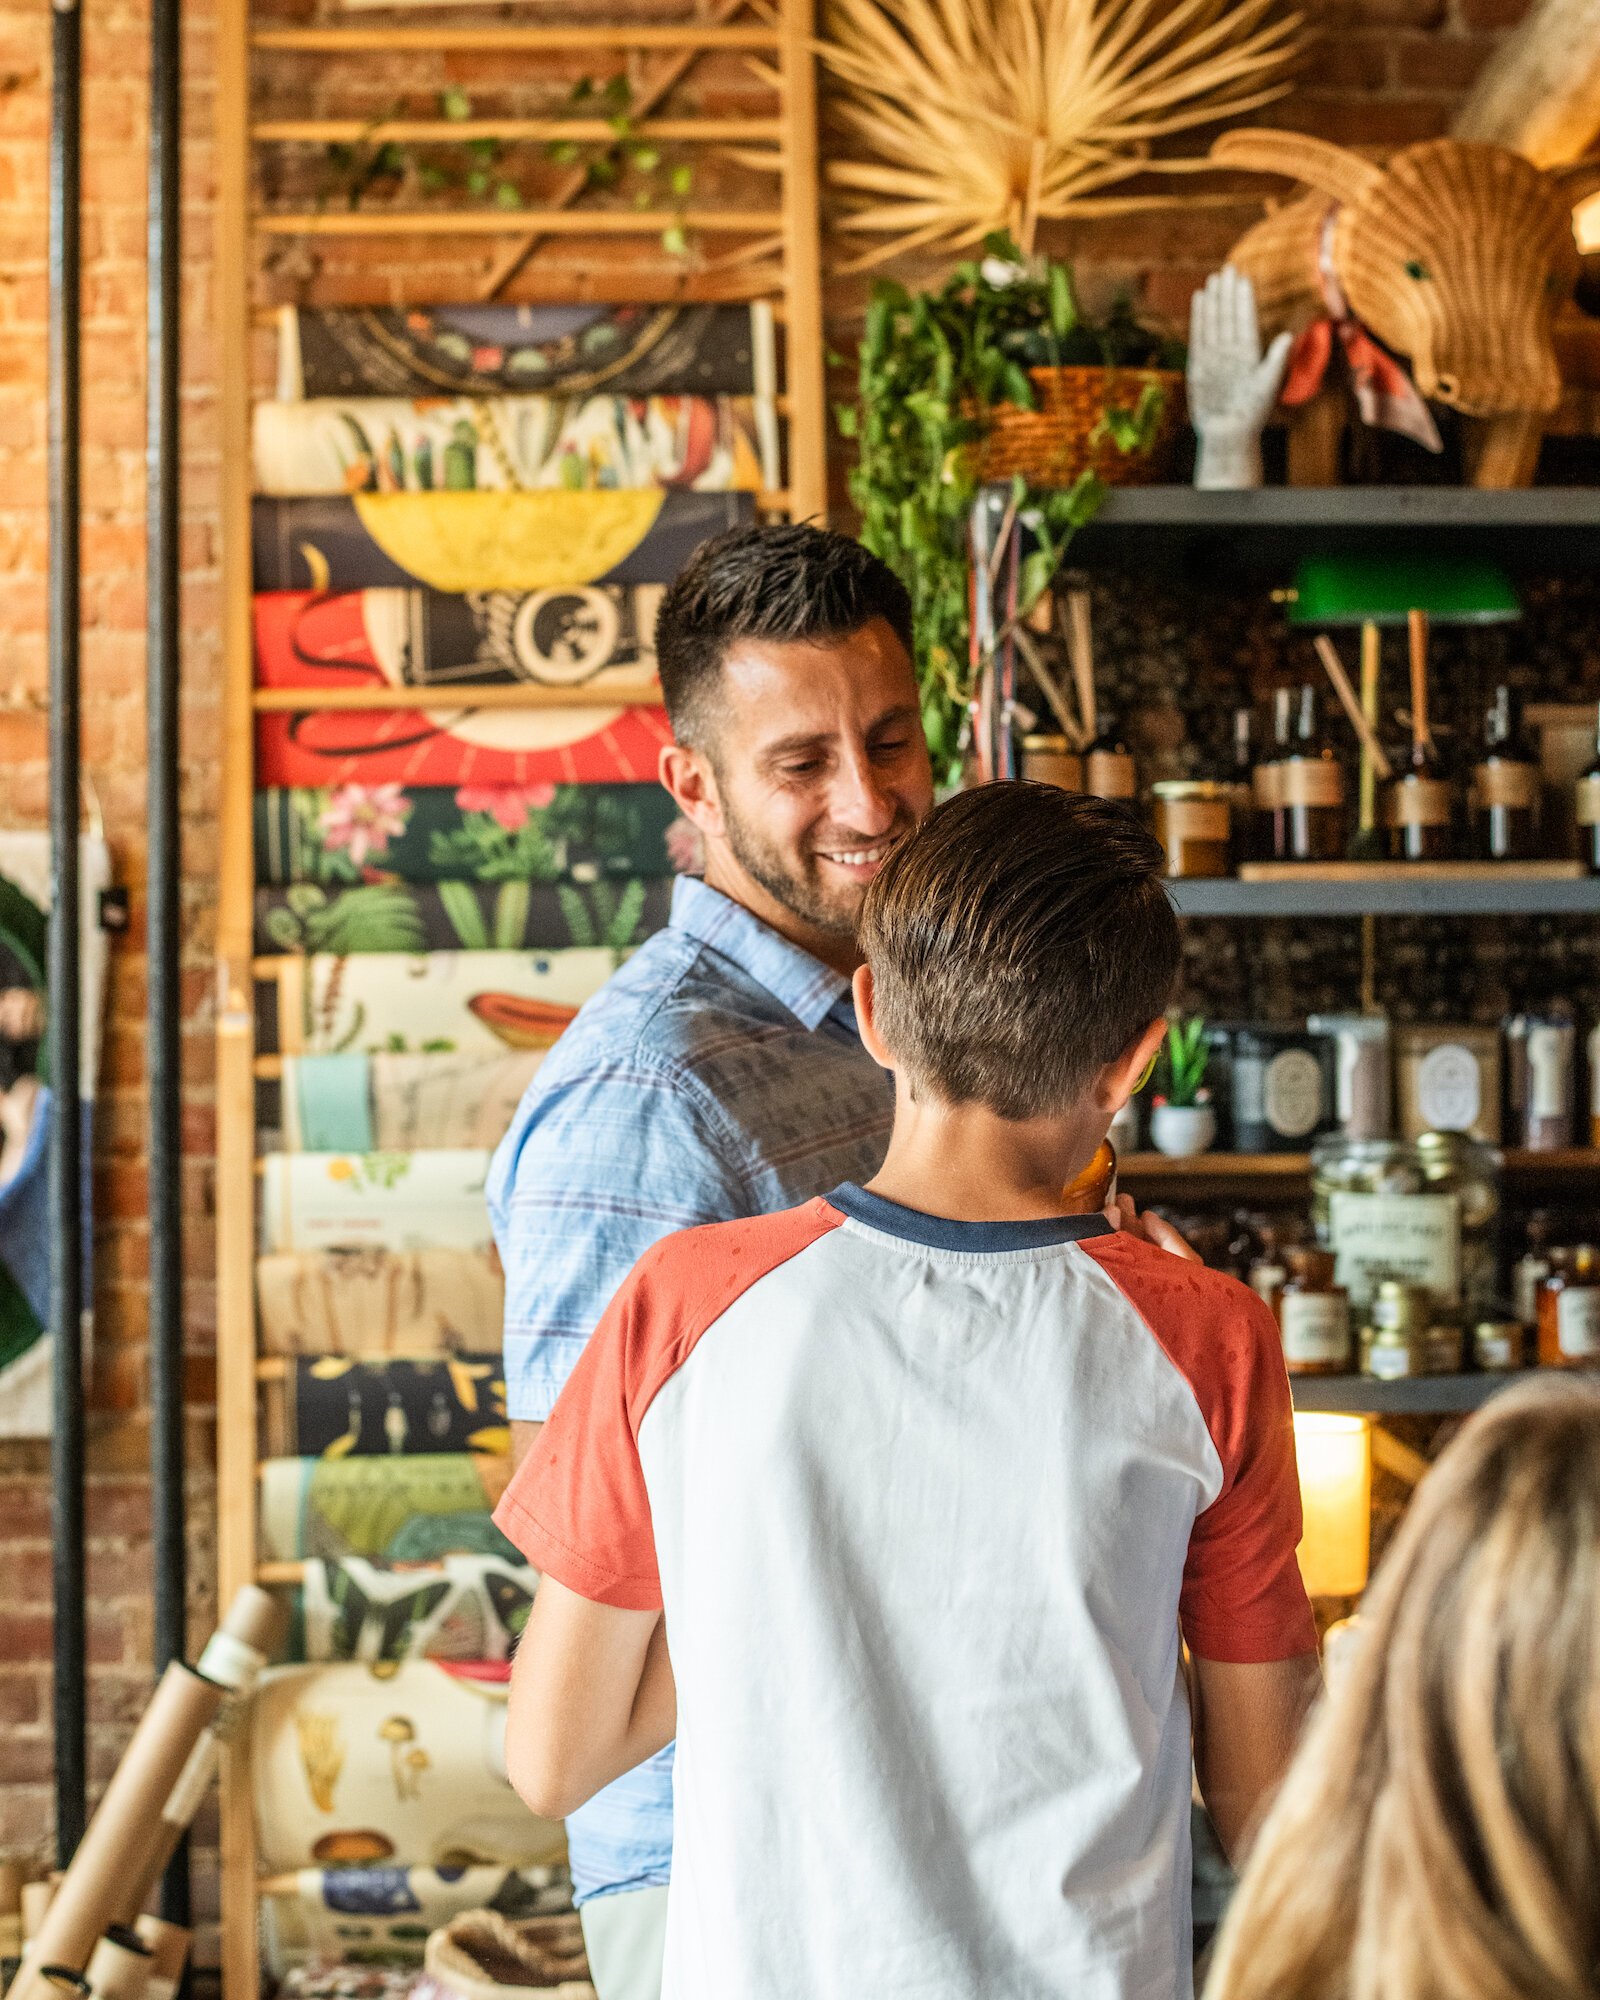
(1183,1120)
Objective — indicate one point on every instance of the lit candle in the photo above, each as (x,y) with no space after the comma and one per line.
(1335,1455)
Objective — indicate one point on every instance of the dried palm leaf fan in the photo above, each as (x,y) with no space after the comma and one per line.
(987,115)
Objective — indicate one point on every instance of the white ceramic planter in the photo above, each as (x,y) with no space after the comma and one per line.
(1182,1130)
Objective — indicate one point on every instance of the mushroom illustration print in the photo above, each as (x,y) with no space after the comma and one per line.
(397,1731)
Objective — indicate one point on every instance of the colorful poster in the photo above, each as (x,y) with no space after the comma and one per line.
(573,635)
(341,1406)
(510,444)
(466,1002)
(560,638)
(429,1200)
(463,1608)
(394,1103)
(383,1915)
(670,350)
(380,1302)
(459,916)
(485,541)
(393,1510)
(28,1108)
(361,1764)
(480,833)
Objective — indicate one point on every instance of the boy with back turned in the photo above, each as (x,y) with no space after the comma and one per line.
(920,1481)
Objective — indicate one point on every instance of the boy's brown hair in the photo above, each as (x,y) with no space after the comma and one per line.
(1019,941)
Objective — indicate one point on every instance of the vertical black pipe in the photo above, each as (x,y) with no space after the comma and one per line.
(66,1148)
(162,926)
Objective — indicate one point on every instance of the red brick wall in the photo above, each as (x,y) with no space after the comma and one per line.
(1384,71)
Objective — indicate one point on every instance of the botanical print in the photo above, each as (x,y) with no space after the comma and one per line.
(357,1103)
(337,1406)
(359,832)
(395,1511)
(322,1755)
(432,1199)
(460,915)
(377,1302)
(387,444)
(466,1607)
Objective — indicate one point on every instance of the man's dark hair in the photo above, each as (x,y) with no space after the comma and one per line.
(1019,940)
(783,583)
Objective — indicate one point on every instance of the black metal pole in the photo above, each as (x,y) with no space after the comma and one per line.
(163,922)
(66,1148)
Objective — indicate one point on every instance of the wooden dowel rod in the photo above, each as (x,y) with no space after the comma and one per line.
(268,1573)
(1333,666)
(518,694)
(515,222)
(1417,633)
(272,1368)
(525,41)
(268,1068)
(333,131)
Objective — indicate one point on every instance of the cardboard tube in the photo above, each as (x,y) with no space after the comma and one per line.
(238,1651)
(119,1965)
(169,1953)
(95,1886)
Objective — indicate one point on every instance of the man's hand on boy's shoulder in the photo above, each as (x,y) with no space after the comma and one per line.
(1123,1214)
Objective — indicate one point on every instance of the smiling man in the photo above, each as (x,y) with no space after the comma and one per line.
(720,1074)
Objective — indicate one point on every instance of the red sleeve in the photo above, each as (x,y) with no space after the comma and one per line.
(1243,1599)
(577,1507)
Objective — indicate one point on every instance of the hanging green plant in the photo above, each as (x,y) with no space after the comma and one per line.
(935,367)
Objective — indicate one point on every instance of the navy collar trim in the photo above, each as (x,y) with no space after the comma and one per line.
(939,1232)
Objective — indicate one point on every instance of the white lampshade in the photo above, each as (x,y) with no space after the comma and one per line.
(1335,1455)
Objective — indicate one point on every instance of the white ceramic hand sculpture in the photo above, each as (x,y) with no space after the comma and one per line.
(1232,385)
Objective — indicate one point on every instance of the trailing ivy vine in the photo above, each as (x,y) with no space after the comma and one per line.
(933,365)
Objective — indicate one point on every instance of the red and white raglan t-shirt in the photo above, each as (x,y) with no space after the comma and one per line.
(925,1503)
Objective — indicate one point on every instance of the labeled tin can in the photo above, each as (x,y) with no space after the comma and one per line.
(1363,1068)
(1282,1089)
(1541,1053)
(1497,1345)
(1449,1081)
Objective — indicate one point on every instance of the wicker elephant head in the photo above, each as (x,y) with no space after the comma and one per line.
(1455,255)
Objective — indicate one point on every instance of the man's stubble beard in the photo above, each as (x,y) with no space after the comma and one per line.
(803,896)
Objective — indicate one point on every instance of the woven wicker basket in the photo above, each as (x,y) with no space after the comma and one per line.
(1050,445)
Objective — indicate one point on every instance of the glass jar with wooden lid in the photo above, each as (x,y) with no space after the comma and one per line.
(1194,824)
(1051,760)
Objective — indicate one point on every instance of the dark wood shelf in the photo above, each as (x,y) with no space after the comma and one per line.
(1416,1395)
(1472,892)
(1223,1172)
(1174,531)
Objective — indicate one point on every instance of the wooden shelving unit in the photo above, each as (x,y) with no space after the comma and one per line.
(1220,1172)
(1464,889)
(763,250)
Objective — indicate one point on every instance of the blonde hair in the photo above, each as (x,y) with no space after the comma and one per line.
(1438,1835)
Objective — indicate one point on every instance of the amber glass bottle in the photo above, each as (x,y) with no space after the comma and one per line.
(1569,1312)
(1312,784)
(1588,810)
(1422,799)
(1505,787)
(1314,1317)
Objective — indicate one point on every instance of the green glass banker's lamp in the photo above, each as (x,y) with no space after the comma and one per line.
(1377,590)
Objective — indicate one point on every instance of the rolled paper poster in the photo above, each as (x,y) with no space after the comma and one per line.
(356,1764)
(392,1103)
(380,1302)
(486,350)
(460,916)
(337,835)
(484,541)
(119,1966)
(182,1708)
(392,1510)
(340,1979)
(457,1002)
(390,1201)
(330,445)
(338,1407)
(36,1899)
(383,1915)
(465,1607)
(169,1953)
